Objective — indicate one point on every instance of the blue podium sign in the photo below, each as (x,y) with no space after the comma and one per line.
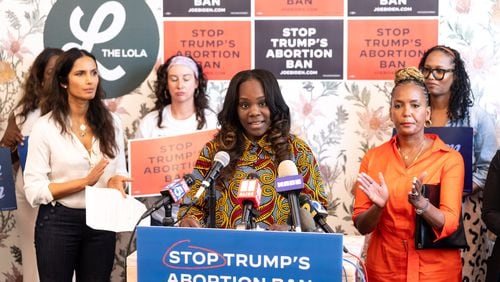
(203,254)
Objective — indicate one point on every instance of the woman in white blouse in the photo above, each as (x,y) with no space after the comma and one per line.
(78,143)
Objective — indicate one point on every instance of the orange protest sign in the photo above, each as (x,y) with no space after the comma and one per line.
(378,48)
(222,47)
(299,8)
(153,163)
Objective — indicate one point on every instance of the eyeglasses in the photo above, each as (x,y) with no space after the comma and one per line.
(438,74)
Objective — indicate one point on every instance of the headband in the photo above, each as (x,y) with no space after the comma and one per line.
(184,61)
(446,50)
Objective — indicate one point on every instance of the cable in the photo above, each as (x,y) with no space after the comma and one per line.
(345,273)
(127,251)
(360,261)
(184,214)
(358,270)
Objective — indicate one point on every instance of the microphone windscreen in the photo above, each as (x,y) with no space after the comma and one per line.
(287,168)
(222,157)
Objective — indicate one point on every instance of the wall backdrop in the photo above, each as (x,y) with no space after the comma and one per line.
(339,118)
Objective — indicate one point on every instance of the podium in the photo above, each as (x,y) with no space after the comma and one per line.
(198,254)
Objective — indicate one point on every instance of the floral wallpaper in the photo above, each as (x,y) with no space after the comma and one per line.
(340,120)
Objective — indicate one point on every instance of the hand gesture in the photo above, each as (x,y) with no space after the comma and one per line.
(96,172)
(377,193)
(189,221)
(119,182)
(415,195)
(12,135)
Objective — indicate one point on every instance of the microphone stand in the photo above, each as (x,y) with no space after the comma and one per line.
(250,224)
(211,206)
(168,220)
(294,211)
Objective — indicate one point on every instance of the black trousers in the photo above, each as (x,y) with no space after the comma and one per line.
(65,244)
(493,264)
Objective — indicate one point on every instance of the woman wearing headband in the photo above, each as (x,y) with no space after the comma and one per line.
(181,106)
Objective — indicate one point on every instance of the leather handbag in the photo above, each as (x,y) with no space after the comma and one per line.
(424,235)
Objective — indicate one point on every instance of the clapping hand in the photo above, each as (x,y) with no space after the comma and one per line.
(415,195)
(377,193)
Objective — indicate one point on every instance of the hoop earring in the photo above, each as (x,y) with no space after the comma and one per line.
(428,123)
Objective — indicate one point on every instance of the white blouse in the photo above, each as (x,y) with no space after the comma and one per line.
(56,158)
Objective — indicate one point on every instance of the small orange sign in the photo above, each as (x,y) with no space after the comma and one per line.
(288,8)
(222,47)
(378,48)
(154,163)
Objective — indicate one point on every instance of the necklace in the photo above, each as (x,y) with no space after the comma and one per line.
(407,156)
(83,130)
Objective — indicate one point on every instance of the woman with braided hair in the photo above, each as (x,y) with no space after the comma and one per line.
(389,192)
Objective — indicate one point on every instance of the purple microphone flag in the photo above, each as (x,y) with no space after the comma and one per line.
(289,183)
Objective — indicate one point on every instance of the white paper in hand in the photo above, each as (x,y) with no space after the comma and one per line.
(108,210)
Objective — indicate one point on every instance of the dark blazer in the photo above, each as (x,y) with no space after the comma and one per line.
(491,215)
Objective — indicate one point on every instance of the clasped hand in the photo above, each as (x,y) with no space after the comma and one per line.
(415,195)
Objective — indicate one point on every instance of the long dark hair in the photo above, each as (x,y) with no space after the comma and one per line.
(98,116)
(461,93)
(231,135)
(163,97)
(33,85)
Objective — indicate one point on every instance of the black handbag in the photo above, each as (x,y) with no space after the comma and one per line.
(424,235)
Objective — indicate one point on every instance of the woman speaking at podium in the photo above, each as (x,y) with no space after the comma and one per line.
(389,192)
(255,132)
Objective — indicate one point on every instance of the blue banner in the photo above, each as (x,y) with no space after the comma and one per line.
(460,139)
(202,254)
(7,188)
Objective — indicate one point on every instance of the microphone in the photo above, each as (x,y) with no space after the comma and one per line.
(221,159)
(178,188)
(172,193)
(249,196)
(289,182)
(316,211)
(307,221)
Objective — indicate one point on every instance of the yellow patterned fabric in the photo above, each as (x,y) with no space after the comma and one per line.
(258,157)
